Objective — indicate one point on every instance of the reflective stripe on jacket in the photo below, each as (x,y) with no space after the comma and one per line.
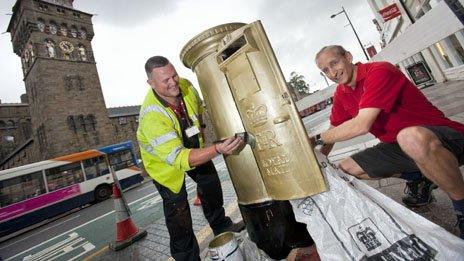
(160,137)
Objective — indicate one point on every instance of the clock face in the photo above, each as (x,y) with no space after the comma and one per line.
(53,29)
(66,47)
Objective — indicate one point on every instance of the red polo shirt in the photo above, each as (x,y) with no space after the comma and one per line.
(382,85)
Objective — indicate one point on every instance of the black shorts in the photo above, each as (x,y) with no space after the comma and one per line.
(387,159)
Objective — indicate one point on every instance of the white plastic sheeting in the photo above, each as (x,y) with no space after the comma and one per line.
(353,221)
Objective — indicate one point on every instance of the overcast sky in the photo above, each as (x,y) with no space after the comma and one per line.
(129,32)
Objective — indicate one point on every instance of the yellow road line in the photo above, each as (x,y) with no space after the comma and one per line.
(203,234)
(95,254)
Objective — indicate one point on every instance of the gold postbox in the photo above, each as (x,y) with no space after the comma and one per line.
(245,91)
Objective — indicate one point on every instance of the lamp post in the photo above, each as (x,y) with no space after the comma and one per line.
(355,33)
(325,78)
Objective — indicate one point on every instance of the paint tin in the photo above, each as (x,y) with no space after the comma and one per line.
(225,247)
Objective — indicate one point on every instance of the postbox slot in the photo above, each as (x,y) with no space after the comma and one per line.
(233,48)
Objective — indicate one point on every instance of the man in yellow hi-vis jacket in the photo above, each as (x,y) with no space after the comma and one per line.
(171,145)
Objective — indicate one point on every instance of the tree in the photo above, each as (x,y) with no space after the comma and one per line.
(298,85)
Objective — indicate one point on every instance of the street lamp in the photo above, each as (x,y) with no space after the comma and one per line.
(325,78)
(355,33)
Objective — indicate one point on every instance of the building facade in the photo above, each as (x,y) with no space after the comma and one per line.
(427,34)
(15,127)
(65,103)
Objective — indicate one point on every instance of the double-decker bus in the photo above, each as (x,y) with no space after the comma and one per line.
(33,193)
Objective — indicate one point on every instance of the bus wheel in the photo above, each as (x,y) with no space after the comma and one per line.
(102,192)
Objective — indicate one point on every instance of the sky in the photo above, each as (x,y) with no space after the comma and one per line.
(127,33)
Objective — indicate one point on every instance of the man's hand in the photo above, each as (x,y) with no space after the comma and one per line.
(230,145)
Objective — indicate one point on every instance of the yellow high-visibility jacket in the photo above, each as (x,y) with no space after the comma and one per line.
(160,137)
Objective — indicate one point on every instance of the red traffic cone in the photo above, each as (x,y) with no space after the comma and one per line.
(197,201)
(126,230)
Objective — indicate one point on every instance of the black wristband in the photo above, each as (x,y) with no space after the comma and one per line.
(319,141)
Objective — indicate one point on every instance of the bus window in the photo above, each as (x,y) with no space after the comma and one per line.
(102,166)
(64,176)
(121,159)
(95,167)
(90,168)
(20,188)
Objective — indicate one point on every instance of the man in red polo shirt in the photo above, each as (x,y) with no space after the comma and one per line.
(378,98)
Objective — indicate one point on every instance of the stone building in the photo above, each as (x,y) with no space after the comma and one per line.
(63,110)
(66,108)
(15,127)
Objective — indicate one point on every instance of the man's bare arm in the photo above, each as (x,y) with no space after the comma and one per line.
(227,147)
(359,125)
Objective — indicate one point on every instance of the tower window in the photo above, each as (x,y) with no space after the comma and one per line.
(122,120)
(33,92)
(72,124)
(133,125)
(41,137)
(85,123)
(91,122)
(60,10)
(82,123)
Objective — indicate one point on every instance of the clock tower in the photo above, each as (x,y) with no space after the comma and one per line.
(67,107)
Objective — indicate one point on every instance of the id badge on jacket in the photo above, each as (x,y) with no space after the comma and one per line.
(192,131)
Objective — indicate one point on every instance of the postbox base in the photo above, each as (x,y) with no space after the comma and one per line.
(271,225)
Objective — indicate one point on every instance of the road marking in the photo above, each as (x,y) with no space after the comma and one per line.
(72,243)
(86,223)
(145,187)
(56,253)
(41,231)
(144,197)
(87,247)
(153,201)
(37,255)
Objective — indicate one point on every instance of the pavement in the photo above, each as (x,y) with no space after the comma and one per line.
(449,97)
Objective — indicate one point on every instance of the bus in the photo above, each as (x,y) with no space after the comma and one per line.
(33,193)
